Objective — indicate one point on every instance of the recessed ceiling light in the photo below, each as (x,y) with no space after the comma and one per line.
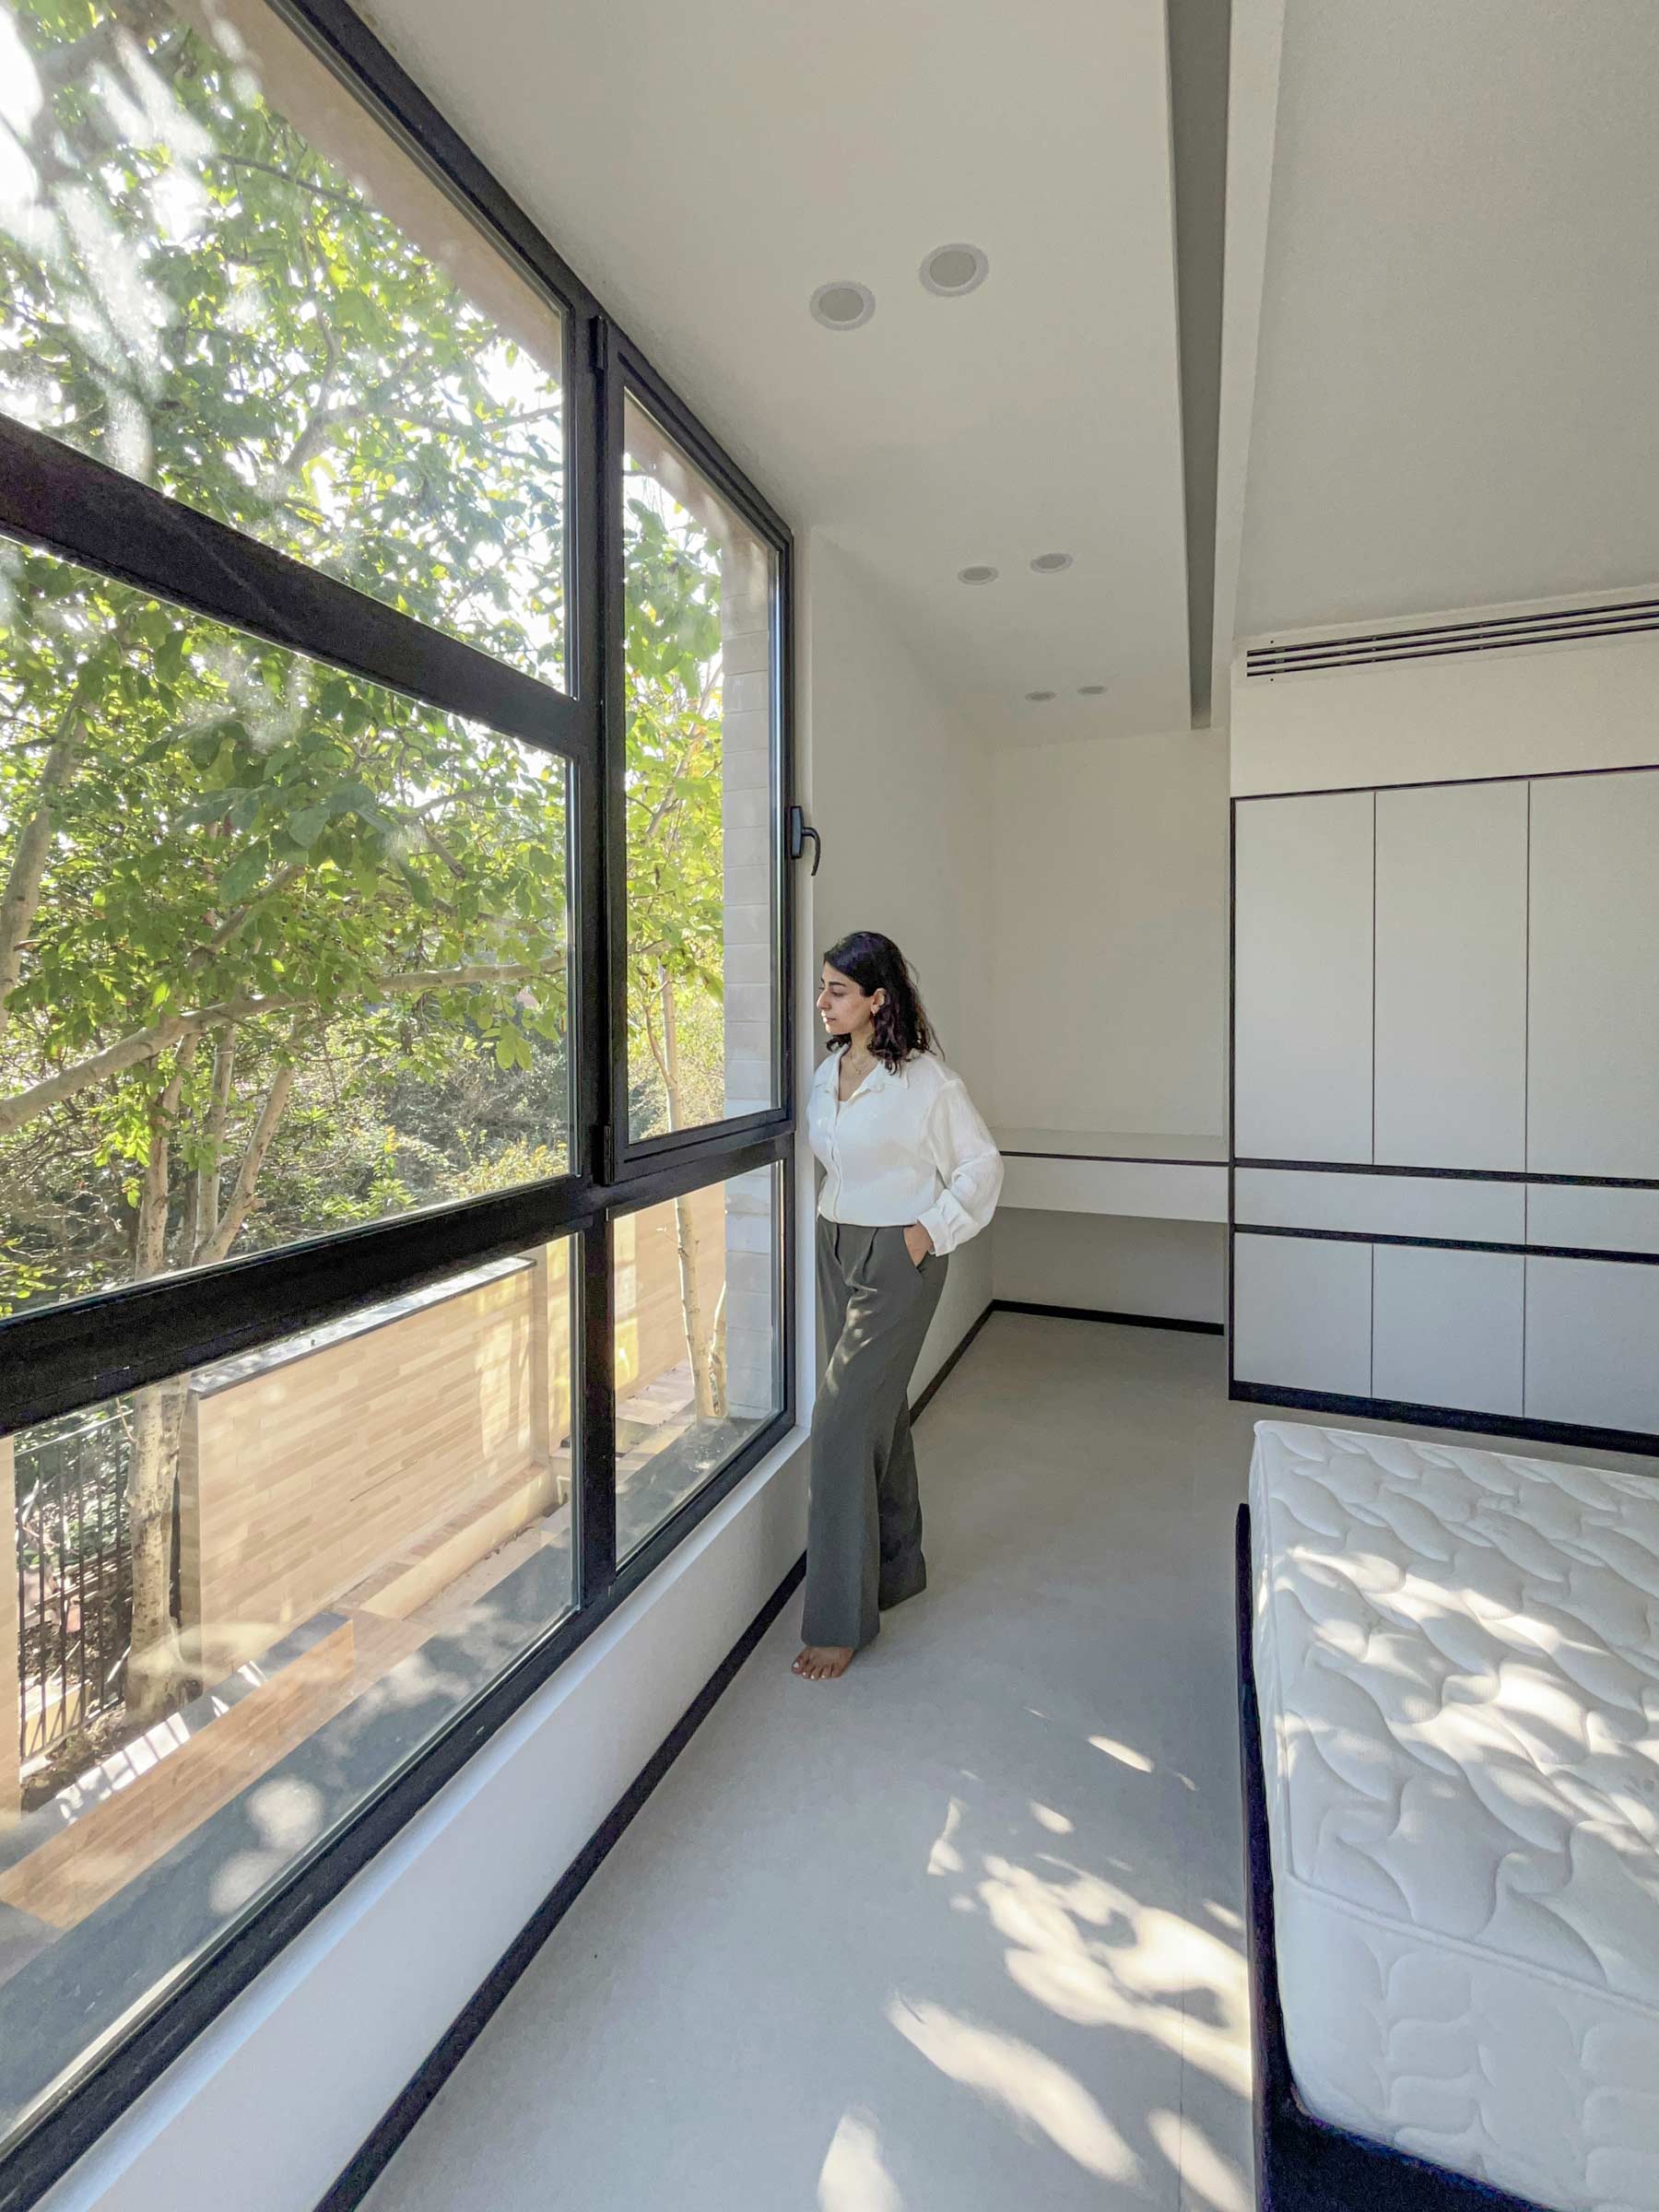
(952,270)
(979,574)
(843,305)
(1037,697)
(1050,564)
(1090,690)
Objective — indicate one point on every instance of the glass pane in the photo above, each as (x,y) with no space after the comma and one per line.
(697,1335)
(245,1599)
(220,276)
(280,951)
(701,807)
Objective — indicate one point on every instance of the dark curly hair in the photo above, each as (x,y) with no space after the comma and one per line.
(875,963)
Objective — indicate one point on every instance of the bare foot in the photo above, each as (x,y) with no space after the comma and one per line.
(823,1662)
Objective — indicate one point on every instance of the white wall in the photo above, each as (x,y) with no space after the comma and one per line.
(1435,721)
(1110,923)
(1109,994)
(899,787)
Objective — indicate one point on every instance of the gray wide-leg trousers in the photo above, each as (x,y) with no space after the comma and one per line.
(864,1522)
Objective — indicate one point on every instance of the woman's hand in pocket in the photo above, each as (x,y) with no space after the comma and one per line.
(917,1242)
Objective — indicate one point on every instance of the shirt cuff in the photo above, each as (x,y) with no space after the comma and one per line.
(946,1233)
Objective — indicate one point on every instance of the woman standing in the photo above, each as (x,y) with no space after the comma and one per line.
(910,1172)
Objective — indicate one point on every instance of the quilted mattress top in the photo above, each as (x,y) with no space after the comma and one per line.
(1457,1659)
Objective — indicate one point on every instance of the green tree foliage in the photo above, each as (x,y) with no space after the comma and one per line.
(676,887)
(197,295)
(281,950)
(271,895)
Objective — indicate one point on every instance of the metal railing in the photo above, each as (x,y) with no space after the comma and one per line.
(75,1573)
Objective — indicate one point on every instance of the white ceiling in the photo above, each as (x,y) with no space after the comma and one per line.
(706,167)
(1454,397)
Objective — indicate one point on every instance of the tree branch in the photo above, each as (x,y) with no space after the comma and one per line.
(236,921)
(284,176)
(238,1205)
(24,1106)
(407,419)
(155,1188)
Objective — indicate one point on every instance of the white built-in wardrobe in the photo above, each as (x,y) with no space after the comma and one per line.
(1445,1189)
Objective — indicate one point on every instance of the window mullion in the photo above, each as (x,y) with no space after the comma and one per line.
(69,502)
(596,1439)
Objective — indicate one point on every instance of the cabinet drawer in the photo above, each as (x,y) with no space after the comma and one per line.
(1382,1206)
(1592,1220)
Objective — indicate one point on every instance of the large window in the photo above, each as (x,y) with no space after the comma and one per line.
(700,781)
(372,1521)
(346,949)
(296,949)
(293,328)
(697,1300)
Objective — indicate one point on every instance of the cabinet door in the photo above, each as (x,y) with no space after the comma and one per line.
(1593,1053)
(1593,1343)
(1451,1032)
(1302,1313)
(1302,891)
(1380,1206)
(1447,1327)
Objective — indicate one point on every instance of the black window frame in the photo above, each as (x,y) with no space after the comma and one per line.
(628,375)
(69,1356)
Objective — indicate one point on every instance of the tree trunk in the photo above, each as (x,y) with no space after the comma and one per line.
(155,1667)
(156,1670)
(707,1378)
(717,1352)
(154,1664)
(217,1245)
(207,1182)
(21,901)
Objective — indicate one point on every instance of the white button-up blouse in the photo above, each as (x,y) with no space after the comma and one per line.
(908,1146)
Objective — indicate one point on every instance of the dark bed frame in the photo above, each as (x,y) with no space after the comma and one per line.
(1304,2164)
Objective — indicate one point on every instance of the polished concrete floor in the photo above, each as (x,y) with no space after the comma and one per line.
(962,1931)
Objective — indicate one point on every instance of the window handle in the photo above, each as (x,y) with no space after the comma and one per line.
(800,830)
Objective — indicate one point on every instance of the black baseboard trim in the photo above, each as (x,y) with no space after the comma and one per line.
(945,1373)
(1128,1321)
(1450,1417)
(398,2120)
(1015,1305)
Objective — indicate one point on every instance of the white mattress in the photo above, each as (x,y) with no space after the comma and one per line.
(1457,1663)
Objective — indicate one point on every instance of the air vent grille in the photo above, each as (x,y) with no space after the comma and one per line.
(1441,640)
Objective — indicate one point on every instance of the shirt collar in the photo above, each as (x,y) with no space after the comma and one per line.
(879,1076)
